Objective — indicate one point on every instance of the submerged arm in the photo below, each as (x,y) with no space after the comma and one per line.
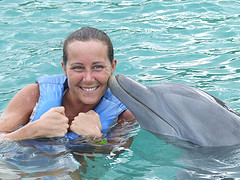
(121,136)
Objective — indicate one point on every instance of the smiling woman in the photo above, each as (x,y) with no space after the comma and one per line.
(75,105)
(88,69)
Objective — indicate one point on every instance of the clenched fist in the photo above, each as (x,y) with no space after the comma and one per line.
(53,123)
(87,124)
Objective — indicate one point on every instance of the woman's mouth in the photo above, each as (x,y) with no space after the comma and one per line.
(89,89)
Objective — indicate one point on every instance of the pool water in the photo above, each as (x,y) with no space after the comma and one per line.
(195,42)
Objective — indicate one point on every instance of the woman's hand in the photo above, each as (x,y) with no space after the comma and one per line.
(53,123)
(87,124)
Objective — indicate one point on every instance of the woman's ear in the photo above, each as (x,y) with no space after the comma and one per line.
(114,64)
(64,68)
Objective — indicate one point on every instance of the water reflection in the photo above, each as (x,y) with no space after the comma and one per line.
(63,159)
(194,42)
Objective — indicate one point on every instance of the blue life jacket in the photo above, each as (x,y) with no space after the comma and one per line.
(51,94)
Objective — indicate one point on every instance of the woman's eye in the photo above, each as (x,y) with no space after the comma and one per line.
(98,67)
(78,67)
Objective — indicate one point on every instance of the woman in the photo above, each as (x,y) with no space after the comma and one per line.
(75,104)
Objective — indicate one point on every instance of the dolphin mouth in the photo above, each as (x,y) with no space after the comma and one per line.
(120,79)
(127,83)
(120,87)
(130,87)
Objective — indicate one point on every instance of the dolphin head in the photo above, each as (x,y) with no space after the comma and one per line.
(142,101)
(178,110)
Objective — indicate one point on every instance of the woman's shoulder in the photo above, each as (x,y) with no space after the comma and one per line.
(26,98)
(30,91)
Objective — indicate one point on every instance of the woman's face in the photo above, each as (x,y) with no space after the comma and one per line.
(88,69)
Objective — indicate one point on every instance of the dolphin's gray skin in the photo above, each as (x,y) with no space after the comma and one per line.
(180,111)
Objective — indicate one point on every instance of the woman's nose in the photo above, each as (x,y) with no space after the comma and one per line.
(88,78)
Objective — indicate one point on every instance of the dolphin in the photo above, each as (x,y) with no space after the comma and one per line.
(179,111)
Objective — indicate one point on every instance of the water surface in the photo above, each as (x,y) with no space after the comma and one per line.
(195,42)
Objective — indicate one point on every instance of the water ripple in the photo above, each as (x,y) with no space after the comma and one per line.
(192,42)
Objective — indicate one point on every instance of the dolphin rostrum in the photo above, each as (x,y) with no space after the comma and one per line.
(180,111)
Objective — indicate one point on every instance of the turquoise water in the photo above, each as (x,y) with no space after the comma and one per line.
(195,42)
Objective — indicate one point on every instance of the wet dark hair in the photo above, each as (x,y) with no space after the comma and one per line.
(86,34)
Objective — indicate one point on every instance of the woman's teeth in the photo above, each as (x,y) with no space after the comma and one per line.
(89,89)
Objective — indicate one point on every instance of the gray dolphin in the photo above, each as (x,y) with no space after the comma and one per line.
(180,111)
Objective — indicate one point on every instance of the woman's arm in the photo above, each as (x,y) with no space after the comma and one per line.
(126,116)
(53,123)
(126,124)
(121,136)
(19,108)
